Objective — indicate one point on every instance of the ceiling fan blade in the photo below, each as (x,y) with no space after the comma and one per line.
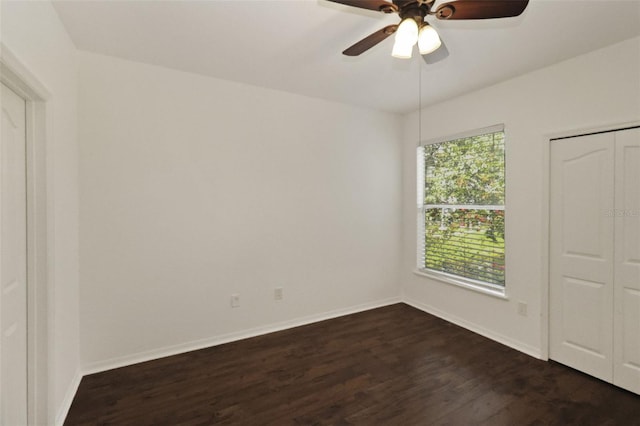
(377,5)
(370,41)
(480,9)
(438,55)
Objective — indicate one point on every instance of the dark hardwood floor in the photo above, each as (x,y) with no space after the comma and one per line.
(390,366)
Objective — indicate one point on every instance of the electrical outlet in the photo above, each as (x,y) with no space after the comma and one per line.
(278,293)
(235,300)
(522,309)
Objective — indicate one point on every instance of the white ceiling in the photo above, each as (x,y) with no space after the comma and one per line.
(296,45)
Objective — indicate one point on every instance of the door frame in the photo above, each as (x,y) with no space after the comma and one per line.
(15,75)
(545,291)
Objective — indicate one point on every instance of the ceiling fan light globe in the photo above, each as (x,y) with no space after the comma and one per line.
(402,50)
(428,40)
(407,32)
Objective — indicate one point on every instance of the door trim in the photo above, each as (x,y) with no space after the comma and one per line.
(545,306)
(40,262)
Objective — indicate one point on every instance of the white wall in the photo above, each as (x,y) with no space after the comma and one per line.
(193,188)
(597,89)
(34,34)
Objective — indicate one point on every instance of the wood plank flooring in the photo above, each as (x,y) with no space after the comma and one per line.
(389,366)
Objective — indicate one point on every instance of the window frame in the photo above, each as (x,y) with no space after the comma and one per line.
(495,290)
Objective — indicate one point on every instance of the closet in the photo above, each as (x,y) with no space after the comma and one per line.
(594,249)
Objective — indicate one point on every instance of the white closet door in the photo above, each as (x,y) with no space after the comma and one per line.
(627,261)
(581,249)
(13,262)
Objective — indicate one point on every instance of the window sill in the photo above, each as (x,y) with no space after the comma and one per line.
(500,294)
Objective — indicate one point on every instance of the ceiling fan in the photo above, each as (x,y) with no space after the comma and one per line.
(414,29)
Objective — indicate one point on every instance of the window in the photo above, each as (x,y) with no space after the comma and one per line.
(461,192)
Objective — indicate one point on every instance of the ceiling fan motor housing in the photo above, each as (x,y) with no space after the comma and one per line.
(414,10)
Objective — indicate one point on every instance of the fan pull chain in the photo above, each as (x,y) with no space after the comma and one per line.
(419,103)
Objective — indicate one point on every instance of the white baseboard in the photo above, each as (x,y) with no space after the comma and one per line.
(63,410)
(519,346)
(139,357)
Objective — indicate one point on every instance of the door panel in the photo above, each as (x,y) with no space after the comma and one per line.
(581,178)
(627,261)
(13,262)
(581,249)
(583,308)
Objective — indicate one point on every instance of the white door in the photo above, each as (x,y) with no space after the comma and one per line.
(581,250)
(13,261)
(627,261)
